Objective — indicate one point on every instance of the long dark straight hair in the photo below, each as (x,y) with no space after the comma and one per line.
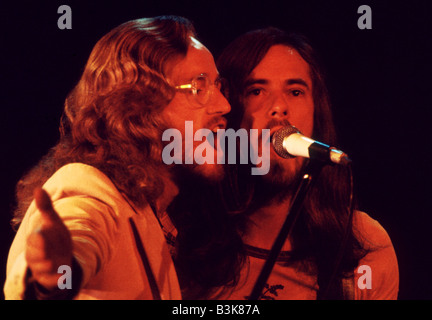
(321,227)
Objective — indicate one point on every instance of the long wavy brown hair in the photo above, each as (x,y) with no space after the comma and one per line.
(112,121)
(112,118)
(327,210)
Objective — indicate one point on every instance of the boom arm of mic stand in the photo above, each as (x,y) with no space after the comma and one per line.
(312,170)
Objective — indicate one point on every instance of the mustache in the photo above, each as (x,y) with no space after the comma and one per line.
(217,121)
(276,122)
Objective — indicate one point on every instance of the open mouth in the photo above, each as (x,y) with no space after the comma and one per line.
(220,124)
(275,125)
(274,129)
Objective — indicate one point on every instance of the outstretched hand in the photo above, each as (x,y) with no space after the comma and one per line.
(49,245)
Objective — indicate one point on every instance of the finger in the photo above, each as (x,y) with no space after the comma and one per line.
(44,205)
(47,280)
(39,267)
(36,239)
(36,246)
(41,258)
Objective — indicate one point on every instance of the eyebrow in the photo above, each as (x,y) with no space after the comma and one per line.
(189,80)
(299,81)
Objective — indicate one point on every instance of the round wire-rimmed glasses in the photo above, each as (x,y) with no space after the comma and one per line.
(201,89)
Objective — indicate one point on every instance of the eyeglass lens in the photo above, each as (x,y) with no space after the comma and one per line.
(202,87)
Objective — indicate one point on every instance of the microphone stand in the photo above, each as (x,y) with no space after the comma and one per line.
(312,170)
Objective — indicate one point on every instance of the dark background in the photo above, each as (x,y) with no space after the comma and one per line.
(379,81)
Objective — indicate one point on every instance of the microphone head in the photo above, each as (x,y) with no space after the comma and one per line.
(278,138)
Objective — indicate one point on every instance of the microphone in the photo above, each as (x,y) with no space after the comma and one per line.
(288,142)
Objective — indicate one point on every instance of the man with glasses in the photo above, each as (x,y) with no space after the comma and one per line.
(98,224)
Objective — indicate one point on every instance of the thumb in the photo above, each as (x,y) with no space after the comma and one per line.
(44,205)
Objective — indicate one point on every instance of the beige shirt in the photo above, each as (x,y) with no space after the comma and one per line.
(101,222)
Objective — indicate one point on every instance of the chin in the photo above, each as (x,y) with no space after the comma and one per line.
(210,172)
(283,172)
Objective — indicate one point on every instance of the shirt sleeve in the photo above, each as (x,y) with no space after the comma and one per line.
(377,275)
(93,227)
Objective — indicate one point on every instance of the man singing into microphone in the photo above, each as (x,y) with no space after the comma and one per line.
(333,252)
(112,211)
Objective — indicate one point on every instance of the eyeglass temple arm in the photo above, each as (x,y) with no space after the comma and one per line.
(184,86)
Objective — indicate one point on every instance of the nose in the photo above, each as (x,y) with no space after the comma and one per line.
(278,107)
(218,104)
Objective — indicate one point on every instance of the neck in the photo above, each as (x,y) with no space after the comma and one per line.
(266,222)
(170,192)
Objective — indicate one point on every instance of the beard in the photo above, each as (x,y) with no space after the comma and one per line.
(280,175)
(196,174)
(280,183)
(198,195)
(205,173)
